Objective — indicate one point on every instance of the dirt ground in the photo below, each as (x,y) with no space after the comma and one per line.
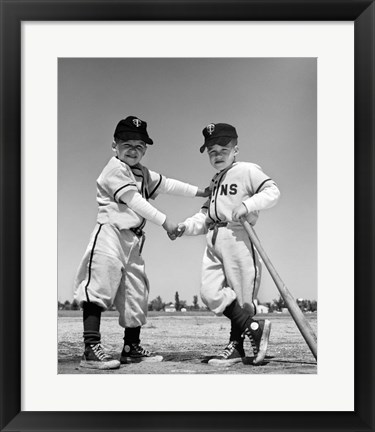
(186,341)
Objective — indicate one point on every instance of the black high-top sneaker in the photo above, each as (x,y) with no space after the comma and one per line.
(95,357)
(135,353)
(231,354)
(259,333)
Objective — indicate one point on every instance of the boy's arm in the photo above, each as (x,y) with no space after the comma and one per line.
(264,199)
(138,204)
(206,192)
(177,187)
(196,224)
(161,184)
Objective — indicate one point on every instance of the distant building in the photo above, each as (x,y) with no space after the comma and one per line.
(183,309)
(170,308)
(262,309)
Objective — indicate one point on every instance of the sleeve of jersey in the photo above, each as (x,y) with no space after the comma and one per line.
(170,186)
(264,199)
(196,224)
(264,191)
(117,183)
(138,204)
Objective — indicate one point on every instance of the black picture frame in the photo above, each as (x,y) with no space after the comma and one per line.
(362,13)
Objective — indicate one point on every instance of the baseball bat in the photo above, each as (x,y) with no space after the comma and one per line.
(302,323)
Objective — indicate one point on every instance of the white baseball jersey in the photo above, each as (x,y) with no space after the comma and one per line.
(117,178)
(112,270)
(231,266)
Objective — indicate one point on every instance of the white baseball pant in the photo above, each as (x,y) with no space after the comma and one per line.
(112,271)
(231,269)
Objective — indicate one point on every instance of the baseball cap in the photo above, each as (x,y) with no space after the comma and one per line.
(132,128)
(218,133)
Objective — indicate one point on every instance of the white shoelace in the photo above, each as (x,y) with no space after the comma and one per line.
(141,350)
(99,352)
(253,344)
(252,341)
(228,350)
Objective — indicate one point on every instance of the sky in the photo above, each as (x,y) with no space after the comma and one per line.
(272,102)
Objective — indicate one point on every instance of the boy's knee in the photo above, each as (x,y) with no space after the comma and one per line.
(217,301)
(213,302)
(250,308)
(205,297)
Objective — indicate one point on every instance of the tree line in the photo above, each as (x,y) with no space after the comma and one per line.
(278,305)
(154,305)
(157,304)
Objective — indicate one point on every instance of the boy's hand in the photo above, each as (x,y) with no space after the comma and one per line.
(177,232)
(203,192)
(180,229)
(169,226)
(239,212)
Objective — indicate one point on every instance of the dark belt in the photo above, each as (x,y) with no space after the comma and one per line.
(141,235)
(137,231)
(215,227)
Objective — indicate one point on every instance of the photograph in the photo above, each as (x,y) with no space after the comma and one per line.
(181,183)
(164,165)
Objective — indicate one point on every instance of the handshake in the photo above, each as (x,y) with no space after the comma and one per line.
(174,230)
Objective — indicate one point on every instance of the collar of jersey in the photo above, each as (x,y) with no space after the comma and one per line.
(227,169)
(134,166)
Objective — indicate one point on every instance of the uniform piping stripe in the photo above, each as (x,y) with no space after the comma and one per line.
(138,175)
(144,190)
(209,214)
(141,225)
(260,187)
(122,187)
(91,257)
(136,168)
(217,193)
(156,187)
(209,205)
(255,267)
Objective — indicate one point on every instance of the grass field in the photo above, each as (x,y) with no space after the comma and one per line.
(186,340)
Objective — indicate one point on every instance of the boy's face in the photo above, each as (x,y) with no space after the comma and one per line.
(131,151)
(221,157)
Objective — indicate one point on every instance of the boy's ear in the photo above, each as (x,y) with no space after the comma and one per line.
(236,150)
(114,146)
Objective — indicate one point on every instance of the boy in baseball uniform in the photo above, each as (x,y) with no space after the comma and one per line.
(231,266)
(112,270)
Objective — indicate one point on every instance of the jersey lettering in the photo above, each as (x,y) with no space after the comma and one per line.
(232,189)
(224,190)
